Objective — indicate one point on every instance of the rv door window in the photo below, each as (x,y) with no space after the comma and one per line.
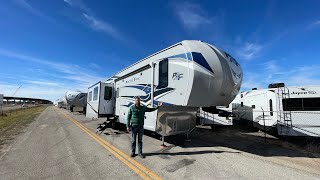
(271,107)
(117,92)
(163,74)
(95,93)
(107,93)
(90,96)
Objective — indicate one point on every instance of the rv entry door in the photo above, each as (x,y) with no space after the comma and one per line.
(107,99)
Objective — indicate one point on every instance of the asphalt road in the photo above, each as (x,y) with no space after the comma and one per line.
(58,146)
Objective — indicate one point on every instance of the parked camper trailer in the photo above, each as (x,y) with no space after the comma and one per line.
(100,100)
(292,111)
(185,76)
(76,99)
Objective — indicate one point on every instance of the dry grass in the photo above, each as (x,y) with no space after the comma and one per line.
(13,122)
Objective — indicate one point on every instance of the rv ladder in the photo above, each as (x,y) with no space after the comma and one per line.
(284,117)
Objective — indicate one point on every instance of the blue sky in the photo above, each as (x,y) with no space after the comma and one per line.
(50,47)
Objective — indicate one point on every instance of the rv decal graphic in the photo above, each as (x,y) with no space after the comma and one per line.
(177,76)
(132,79)
(305,92)
(147,89)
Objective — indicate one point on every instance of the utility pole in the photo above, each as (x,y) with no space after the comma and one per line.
(16,91)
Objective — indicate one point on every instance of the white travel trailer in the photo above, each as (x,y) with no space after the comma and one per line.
(100,100)
(185,76)
(76,99)
(292,111)
(220,116)
(62,103)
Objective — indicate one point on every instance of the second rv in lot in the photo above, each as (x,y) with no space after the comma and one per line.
(291,111)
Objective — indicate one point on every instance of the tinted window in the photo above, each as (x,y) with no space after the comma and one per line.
(163,74)
(293,104)
(107,93)
(311,104)
(271,108)
(95,93)
(90,96)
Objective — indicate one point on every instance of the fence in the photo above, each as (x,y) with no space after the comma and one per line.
(286,123)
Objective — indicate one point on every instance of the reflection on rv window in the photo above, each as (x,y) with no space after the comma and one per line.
(163,74)
(311,104)
(271,107)
(107,93)
(95,93)
(301,104)
(90,96)
(293,104)
(117,92)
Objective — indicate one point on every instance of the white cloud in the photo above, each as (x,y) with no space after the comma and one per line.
(273,73)
(27,6)
(44,83)
(191,15)
(73,77)
(102,26)
(249,51)
(313,25)
(94,66)
(94,22)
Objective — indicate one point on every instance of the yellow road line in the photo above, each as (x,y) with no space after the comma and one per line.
(131,163)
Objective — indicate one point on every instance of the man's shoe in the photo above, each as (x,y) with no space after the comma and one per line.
(132,155)
(141,155)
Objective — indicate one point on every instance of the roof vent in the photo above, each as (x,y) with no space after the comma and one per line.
(276,85)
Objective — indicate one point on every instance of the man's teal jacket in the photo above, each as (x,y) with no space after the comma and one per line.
(136,115)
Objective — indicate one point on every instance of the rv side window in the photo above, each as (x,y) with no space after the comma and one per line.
(163,74)
(90,96)
(311,104)
(271,108)
(107,93)
(241,104)
(95,93)
(292,104)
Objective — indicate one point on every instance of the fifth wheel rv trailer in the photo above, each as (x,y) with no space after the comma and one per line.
(291,111)
(76,99)
(185,76)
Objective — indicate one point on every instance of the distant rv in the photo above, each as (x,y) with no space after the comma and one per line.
(76,99)
(291,111)
(185,76)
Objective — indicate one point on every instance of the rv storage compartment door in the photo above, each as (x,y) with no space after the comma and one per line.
(175,119)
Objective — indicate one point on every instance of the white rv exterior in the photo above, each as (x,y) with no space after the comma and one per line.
(185,76)
(293,111)
(100,100)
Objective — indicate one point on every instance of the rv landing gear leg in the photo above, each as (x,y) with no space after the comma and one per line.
(188,137)
(163,145)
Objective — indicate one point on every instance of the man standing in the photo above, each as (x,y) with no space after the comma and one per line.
(135,122)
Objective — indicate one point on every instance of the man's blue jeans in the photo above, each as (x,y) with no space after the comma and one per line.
(136,130)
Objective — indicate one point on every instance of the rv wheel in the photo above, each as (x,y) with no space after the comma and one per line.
(114,125)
